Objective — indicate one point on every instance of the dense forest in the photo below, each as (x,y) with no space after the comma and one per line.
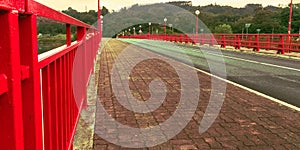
(214,18)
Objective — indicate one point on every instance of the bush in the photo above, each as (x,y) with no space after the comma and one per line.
(224,28)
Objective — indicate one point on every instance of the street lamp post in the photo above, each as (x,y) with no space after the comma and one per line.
(165,20)
(101,28)
(99,13)
(197,12)
(171,26)
(149,27)
(272,34)
(247,25)
(290,18)
(133,30)
(242,33)
(258,30)
(140,31)
(290,23)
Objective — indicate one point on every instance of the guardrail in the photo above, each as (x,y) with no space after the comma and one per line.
(38,109)
(280,42)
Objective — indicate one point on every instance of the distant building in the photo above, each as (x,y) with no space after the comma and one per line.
(181,3)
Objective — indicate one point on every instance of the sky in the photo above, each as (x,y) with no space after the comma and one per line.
(82,5)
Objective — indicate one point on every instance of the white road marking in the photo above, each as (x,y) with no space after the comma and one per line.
(248,89)
(252,61)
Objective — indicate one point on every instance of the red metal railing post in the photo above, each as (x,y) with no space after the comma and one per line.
(223,41)
(32,112)
(3,84)
(248,41)
(54,104)
(268,43)
(81,36)
(238,42)
(202,38)
(47,108)
(181,38)
(11,117)
(212,40)
(281,45)
(256,45)
(60,104)
(68,34)
(186,39)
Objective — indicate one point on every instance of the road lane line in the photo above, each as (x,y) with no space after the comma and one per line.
(248,89)
(252,61)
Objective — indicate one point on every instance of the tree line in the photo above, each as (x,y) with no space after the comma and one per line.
(216,18)
(46,26)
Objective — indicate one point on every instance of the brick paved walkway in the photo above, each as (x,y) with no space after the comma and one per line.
(246,121)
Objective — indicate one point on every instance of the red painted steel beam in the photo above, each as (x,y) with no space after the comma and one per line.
(68,34)
(32,113)
(11,103)
(44,11)
(65,97)
(48,142)
(82,52)
(60,103)
(3,84)
(18,5)
(75,125)
(24,72)
(53,104)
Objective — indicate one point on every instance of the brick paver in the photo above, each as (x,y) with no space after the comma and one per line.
(246,120)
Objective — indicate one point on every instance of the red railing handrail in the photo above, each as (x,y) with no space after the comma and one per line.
(48,57)
(33,7)
(13,5)
(47,12)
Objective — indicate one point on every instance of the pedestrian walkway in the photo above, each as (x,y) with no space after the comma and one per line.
(246,120)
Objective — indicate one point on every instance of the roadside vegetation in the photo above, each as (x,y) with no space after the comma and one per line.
(218,19)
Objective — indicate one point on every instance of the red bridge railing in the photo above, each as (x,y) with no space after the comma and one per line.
(280,42)
(38,107)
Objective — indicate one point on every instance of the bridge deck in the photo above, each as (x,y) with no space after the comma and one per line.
(246,120)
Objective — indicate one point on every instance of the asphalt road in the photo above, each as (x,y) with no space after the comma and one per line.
(276,77)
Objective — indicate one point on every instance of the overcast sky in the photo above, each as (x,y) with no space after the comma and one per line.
(81,5)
